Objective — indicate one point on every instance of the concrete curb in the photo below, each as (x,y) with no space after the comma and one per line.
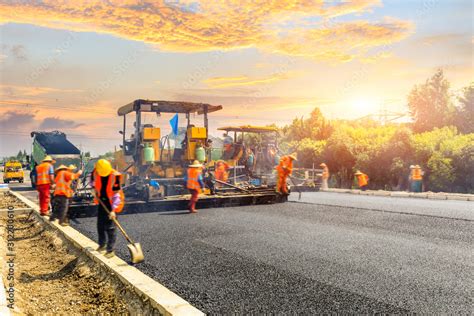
(4,309)
(158,297)
(423,195)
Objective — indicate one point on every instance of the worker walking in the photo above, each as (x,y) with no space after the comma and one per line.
(416,178)
(325,176)
(107,185)
(44,181)
(362,180)
(221,172)
(284,169)
(194,183)
(63,192)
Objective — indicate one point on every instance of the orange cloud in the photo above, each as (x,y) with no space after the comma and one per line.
(226,82)
(191,26)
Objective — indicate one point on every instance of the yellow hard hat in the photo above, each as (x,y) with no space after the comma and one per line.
(293,156)
(48,158)
(71,167)
(61,167)
(358,173)
(323,165)
(196,164)
(103,167)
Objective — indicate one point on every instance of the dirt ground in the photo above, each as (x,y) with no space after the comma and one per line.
(7,200)
(51,280)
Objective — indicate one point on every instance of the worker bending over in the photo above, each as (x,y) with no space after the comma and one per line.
(194,183)
(107,186)
(416,178)
(362,180)
(44,181)
(284,169)
(63,192)
(325,176)
(221,172)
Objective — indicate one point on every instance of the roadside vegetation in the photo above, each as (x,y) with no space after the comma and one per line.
(440,139)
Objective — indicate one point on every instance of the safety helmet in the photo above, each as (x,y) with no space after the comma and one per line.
(196,164)
(48,158)
(358,173)
(61,167)
(293,156)
(71,167)
(103,167)
(323,165)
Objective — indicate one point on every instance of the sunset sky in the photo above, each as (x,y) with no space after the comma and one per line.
(69,65)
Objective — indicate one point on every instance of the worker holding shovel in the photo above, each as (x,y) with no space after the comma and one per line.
(194,183)
(107,186)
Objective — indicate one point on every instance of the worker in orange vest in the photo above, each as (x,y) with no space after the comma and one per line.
(284,169)
(63,192)
(44,181)
(362,180)
(416,178)
(108,188)
(221,172)
(325,176)
(194,183)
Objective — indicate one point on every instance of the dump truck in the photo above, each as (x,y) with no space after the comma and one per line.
(13,171)
(56,145)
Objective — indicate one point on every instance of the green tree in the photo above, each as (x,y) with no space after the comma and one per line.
(430,104)
(465,112)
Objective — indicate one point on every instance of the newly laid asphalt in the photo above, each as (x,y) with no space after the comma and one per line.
(329,252)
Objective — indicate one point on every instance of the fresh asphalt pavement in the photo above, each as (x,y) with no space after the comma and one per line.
(329,252)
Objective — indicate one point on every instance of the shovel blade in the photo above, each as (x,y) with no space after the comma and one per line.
(136,252)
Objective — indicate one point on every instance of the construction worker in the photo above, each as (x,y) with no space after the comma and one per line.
(63,192)
(249,161)
(221,172)
(194,183)
(107,186)
(44,181)
(284,169)
(416,177)
(362,180)
(325,176)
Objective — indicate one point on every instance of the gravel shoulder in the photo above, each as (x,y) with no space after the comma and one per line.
(49,279)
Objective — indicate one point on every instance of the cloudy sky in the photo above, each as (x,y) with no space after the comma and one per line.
(69,65)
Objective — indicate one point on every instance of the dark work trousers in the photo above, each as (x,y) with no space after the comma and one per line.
(105,226)
(193,200)
(364,187)
(60,208)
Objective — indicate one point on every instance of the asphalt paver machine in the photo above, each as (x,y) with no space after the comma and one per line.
(154,165)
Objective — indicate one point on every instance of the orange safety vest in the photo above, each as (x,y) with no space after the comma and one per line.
(416,174)
(42,173)
(110,192)
(192,182)
(63,183)
(362,179)
(325,173)
(285,166)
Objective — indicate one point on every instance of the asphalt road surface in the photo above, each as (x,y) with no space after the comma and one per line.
(330,252)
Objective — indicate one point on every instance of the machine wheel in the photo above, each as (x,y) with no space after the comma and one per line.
(6,181)
(21,180)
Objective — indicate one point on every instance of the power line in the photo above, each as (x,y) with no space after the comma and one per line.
(84,110)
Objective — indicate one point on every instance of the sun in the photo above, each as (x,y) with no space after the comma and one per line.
(365,105)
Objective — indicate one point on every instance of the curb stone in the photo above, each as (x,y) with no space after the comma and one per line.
(157,296)
(401,194)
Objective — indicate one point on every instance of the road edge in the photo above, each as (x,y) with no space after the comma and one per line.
(403,194)
(155,294)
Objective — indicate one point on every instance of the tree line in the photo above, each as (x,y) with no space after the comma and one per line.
(440,139)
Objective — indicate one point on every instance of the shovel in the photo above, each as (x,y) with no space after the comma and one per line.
(297,189)
(134,248)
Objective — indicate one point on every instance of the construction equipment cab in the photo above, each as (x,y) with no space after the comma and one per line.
(13,171)
(148,157)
